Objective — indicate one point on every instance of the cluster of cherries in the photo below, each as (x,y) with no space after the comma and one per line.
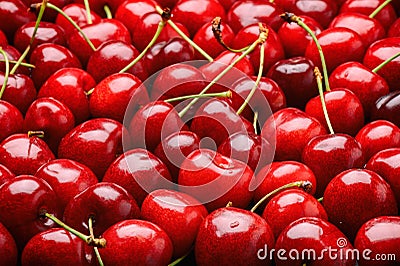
(158,132)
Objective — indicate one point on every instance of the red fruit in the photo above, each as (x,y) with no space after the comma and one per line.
(11,120)
(336,41)
(14,14)
(3,39)
(215,179)
(178,214)
(232,236)
(387,108)
(5,174)
(8,248)
(13,54)
(23,154)
(349,212)
(67,178)
(394,30)
(148,244)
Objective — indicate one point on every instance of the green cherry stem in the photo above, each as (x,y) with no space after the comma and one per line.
(320,199)
(88,13)
(379,8)
(225,94)
(289,18)
(178,260)
(22,63)
(95,242)
(216,28)
(3,87)
(255,120)
(305,185)
(318,77)
(384,63)
(107,10)
(96,250)
(89,42)
(183,35)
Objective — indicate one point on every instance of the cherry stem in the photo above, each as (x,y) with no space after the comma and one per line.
(33,133)
(22,63)
(222,73)
(255,86)
(178,260)
(305,185)
(87,93)
(183,35)
(216,28)
(320,199)
(3,87)
(229,204)
(318,77)
(88,13)
(58,10)
(225,94)
(384,63)
(96,250)
(379,8)
(255,120)
(289,18)
(107,11)
(95,242)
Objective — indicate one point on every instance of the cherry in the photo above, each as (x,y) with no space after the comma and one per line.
(378,52)
(366,85)
(94,143)
(226,237)
(52,117)
(194,14)
(173,150)
(24,154)
(295,76)
(14,14)
(70,86)
(262,11)
(215,179)
(11,120)
(345,111)
(379,235)
(9,251)
(378,135)
(394,30)
(290,130)
(5,174)
(54,246)
(48,58)
(295,39)
(111,97)
(387,108)
(139,172)
(374,198)
(98,6)
(13,54)
(23,200)
(144,239)
(49,14)
(67,178)
(336,41)
(290,205)
(178,214)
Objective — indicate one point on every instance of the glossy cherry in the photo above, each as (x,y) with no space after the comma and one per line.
(11,120)
(14,14)
(387,108)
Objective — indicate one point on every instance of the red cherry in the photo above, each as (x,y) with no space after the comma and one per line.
(394,30)
(13,54)
(11,120)
(8,250)
(49,14)
(14,14)
(98,6)
(348,212)
(5,174)
(387,108)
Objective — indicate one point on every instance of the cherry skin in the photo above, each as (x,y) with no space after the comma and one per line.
(295,76)
(67,178)
(70,86)
(239,16)
(23,201)
(344,109)
(378,135)
(290,129)
(112,96)
(53,246)
(173,150)
(169,3)
(8,250)
(11,120)
(295,39)
(3,39)
(111,57)
(13,54)
(48,58)
(215,179)
(5,174)
(194,14)
(49,14)
(278,174)
(290,205)
(227,237)
(52,117)
(387,108)
(13,15)
(178,214)
(378,52)
(106,203)
(349,213)
(329,155)
(336,41)
(394,30)
(98,6)
(318,235)
(139,172)
(381,236)
(95,143)
(23,154)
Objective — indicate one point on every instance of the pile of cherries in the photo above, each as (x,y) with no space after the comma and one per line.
(199,132)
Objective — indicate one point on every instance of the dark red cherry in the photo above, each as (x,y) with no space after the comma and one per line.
(49,14)
(9,251)
(98,5)
(11,120)
(3,39)
(387,108)
(14,14)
